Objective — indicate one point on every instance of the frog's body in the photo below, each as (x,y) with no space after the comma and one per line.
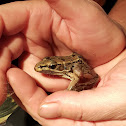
(73,67)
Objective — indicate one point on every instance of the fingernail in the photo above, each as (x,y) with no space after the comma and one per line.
(49,110)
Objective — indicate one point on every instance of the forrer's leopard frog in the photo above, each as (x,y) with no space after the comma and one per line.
(73,67)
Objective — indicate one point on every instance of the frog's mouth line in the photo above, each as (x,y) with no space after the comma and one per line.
(52,72)
(53,76)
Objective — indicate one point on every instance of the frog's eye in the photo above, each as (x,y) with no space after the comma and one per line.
(40,66)
(52,66)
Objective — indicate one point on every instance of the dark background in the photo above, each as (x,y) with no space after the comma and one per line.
(20,117)
(8,1)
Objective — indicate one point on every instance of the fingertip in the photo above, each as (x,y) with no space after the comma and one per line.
(57,105)
(49,110)
(21,83)
(10,73)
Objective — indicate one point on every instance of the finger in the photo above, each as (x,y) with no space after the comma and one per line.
(88,106)
(68,122)
(13,19)
(24,17)
(26,90)
(89,35)
(10,49)
(72,7)
(5,63)
(3,87)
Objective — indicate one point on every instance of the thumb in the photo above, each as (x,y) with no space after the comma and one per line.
(93,105)
(78,22)
(69,9)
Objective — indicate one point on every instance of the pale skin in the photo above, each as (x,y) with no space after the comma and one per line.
(38,29)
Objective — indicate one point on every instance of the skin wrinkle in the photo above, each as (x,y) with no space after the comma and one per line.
(5,51)
(60,23)
(5,31)
(64,24)
(57,33)
(56,22)
(70,33)
(83,123)
(2,25)
(80,113)
(19,38)
(45,44)
(54,32)
(46,38)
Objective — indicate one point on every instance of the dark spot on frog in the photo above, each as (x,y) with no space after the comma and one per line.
(73,54)
(60,67)
(47,58)
(42,66)
(62,59)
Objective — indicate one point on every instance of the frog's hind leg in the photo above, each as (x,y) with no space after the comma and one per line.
(86,85)
(74,80)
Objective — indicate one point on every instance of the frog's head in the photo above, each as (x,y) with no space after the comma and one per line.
(49,65)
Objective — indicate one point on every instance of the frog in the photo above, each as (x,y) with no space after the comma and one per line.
(73,67)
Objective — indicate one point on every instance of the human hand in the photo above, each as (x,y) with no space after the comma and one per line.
(68,35)
(80,110)
(21,35)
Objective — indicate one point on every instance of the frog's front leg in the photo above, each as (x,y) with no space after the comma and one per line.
(74,79)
